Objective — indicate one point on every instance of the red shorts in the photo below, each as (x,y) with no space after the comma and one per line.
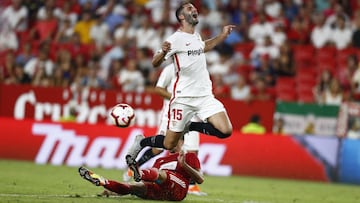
(174,188)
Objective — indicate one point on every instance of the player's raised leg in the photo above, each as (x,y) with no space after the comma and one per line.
(146,156)
(139,143)
(171,139)
(218,125)
(160,141)
(132,154)
(135,147)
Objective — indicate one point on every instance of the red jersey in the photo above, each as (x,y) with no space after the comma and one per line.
(175,187)
(171,163)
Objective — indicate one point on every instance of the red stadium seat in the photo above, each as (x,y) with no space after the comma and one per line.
(305,86)
(305,95)
(326,63)
(287,95)
(306,75)
(333,70)
(306,82)
(303,55)
(306,71)
(285,89)
(245,48)
(324,53)
(342,55)
(326,58)
(285,83)
(245,70)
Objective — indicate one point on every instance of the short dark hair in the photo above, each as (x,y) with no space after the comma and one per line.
(180,8)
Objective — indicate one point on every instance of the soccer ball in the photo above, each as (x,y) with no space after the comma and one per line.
(122,115)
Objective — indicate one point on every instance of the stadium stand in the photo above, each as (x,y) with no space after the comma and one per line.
(45,19)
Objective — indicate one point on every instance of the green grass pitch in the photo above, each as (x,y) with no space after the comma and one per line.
(28,182)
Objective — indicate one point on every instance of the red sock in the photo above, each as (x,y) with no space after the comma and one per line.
(120,188)
(151,174)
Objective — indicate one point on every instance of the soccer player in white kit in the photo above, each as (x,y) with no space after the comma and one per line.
(164,88)
(192,90)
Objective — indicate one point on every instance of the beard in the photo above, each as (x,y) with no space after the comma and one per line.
(192,20)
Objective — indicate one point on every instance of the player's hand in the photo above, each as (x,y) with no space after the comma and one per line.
(227,29)
(166,47)
(181,158)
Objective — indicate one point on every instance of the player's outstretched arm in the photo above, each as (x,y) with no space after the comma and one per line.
(211,43)
(195,174)
(162,92)
(159,57)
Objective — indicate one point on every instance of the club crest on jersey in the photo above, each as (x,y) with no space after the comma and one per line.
(196,52)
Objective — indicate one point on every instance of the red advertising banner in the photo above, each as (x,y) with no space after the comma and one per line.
(93,106)
(105,146)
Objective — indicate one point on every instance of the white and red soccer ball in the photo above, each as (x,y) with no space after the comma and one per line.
(122,115)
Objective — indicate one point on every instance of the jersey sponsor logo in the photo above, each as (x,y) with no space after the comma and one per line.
(196,52)
(177,180)
(169,166)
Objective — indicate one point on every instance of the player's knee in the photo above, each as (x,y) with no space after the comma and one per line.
(156,151)
(170,145)
(225,133)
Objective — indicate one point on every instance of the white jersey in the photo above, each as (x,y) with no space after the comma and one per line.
(192,76)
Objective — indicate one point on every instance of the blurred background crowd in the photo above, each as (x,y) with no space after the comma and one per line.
(289,50)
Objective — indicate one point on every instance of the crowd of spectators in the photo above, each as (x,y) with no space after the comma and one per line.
(109,44)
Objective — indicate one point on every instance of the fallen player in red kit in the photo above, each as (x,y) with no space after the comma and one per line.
(168,179)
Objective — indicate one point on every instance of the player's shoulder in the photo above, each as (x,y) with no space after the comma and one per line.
(180,35)
(191,155)
(174,36)
(192,159)
(197,34)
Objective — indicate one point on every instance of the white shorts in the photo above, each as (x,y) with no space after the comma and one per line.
(191,139)
(182,109)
